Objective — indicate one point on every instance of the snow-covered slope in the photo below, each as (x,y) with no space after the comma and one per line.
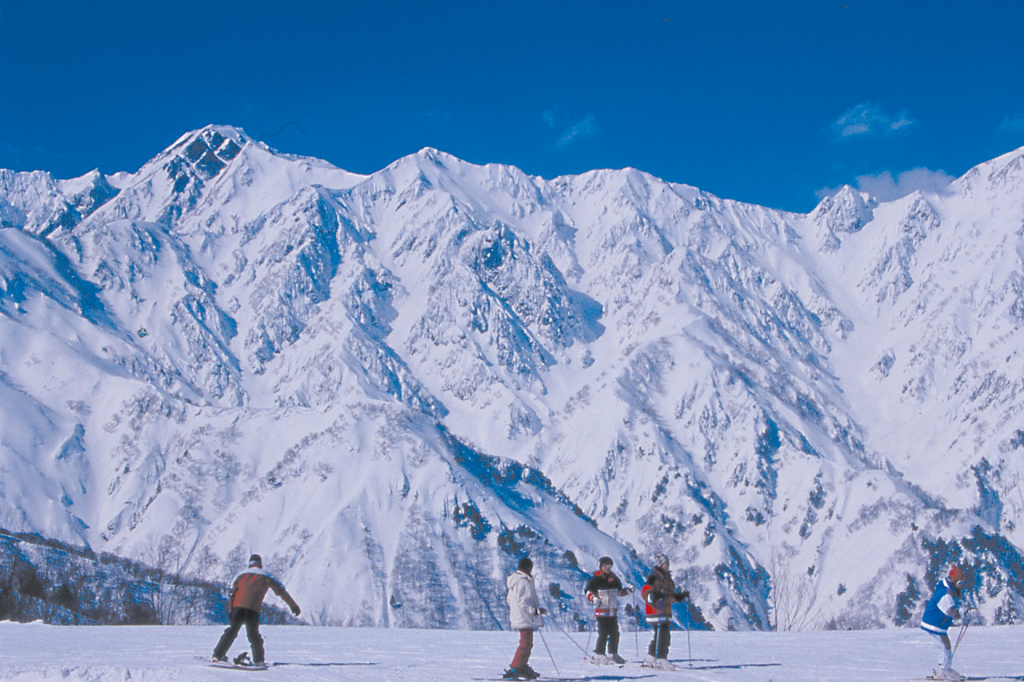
(34,652)
(394,385)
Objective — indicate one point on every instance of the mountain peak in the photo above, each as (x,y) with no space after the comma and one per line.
(845,212)
(211,148)
(433,153)
(213,132)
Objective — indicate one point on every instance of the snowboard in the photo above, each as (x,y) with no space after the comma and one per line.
(232,666)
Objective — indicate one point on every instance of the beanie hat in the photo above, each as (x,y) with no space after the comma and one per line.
(659,559)
(525,565)
(605,560)
(255,560)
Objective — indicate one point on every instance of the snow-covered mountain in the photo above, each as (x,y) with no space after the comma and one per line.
(392,386)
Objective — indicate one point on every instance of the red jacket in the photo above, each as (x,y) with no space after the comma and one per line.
(251,586)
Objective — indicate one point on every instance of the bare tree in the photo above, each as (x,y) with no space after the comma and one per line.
(791,599)
(9,558)
(194,597)
(55,570)
(162,589)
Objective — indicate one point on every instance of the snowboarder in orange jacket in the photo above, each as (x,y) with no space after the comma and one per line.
(244,603)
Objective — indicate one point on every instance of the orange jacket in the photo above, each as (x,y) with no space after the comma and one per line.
(251,586)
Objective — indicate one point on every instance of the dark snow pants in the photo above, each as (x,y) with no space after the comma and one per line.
(662,638)
(251,619)
(522,657)
(607,634)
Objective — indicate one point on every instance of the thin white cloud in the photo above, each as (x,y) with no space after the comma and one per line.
(866,119)
(1014,124)
(549,118)
(587,127)
(884,187)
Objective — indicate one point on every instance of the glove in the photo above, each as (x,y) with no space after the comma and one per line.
(682,596)
(654,596)
(542,611)
(296,611)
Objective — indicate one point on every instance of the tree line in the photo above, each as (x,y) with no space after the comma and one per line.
(61,584)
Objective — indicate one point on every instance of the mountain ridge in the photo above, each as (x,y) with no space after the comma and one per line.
(596,364)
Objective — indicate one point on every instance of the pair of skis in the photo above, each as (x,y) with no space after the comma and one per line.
(971,678)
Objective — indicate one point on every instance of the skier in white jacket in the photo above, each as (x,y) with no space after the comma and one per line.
(524,612)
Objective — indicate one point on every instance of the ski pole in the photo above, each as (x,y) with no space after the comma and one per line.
(636,623)
(548,648)
(963,631)
(963,627)
(689,650)
(657,630)
(570,638)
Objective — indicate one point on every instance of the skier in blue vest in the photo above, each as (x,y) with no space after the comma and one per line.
(939,614)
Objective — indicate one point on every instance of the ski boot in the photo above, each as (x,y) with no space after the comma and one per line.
(243,659)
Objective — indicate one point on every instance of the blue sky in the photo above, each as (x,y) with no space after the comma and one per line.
(772,103)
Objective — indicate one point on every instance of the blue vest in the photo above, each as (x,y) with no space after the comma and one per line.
(934,620)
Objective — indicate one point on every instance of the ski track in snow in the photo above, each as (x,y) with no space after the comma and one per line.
(107,654)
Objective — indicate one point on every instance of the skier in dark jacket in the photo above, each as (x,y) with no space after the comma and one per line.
(244,603)
(603,591)
(939,613)
(659,594)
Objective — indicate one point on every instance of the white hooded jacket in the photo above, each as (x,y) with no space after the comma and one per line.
(523,605)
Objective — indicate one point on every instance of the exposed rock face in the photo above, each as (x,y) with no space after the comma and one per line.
(392,386)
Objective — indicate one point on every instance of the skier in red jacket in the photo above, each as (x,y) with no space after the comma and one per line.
(659,594)
(244,603)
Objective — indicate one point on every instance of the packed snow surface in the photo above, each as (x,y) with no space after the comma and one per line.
(306,654)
